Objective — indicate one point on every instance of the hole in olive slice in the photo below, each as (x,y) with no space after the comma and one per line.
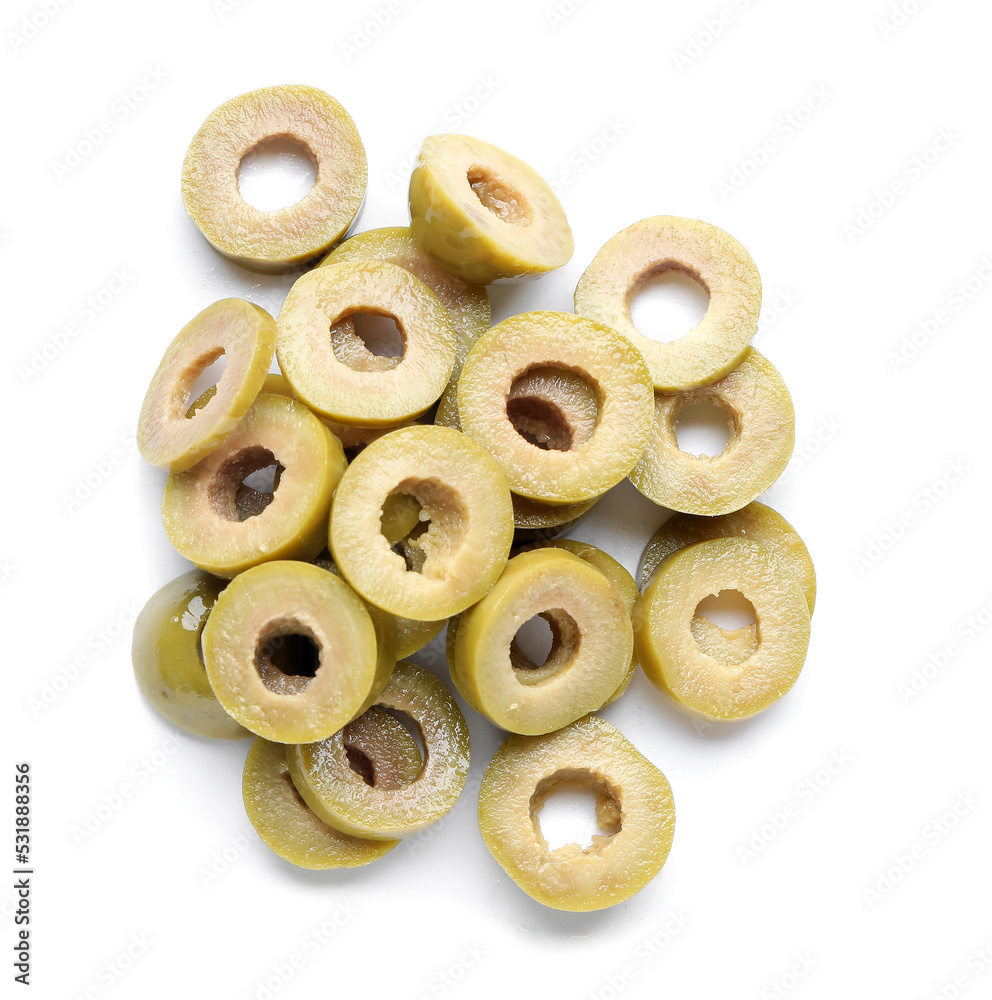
(704,429)
(287,657)
(244,485)
(203,374)
(275,173)
(540,422)
(368,341)
(539,653)
(499,197)
(572,800)
(554,408)
(360,764)
(729,609)
(667,302)
(403,524)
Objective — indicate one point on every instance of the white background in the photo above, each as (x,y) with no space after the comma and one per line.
(877,444)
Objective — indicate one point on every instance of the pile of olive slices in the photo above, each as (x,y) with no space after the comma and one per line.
(342,512)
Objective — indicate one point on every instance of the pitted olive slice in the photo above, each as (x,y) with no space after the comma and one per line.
(464,530)
(275,241)
(762,423)
(484,214)
(675,661)
(714,259)
(548,455)
(330,368)
(221,529)
(634,810)
(591,649)
(292,652)
(342,798)
(174,435)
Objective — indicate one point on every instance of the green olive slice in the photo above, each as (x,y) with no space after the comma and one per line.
(465,523)
(483,214)
(286,823)
(275,241)
(292,652)
(762,421)
(168,663)
(338,795)
(335,374)
(540,447)
(755,521)
(201,511)
(674,660)
(622,582)
(175,436)
(634,809)
(591,649)
(467,305)
(714,259)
